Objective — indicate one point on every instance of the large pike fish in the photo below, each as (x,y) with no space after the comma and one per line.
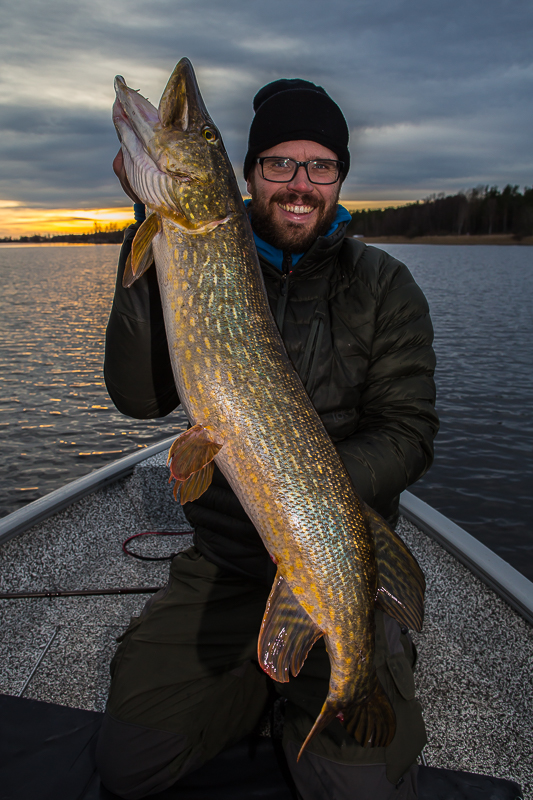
(337,560)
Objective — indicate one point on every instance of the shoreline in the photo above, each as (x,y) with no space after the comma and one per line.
(494,239)
(498,239)
(57,244)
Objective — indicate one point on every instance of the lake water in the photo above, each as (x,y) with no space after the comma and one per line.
(481,305)
(58,422)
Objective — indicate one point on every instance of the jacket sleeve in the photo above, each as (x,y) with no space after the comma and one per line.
(137,368)
(393,445)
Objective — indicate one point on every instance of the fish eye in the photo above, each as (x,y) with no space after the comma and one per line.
(210,135)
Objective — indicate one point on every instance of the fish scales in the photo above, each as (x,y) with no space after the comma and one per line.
(299,522)
(248,407)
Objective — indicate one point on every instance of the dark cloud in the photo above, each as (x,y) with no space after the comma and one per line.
(52,157)
(437,94)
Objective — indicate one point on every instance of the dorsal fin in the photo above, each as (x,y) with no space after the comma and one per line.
(401,582)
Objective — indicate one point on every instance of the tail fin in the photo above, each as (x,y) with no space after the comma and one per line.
(327,715)
(372,722)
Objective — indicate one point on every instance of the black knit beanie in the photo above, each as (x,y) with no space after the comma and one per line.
(289,110)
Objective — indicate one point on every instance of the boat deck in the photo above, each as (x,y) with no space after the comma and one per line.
(474,676)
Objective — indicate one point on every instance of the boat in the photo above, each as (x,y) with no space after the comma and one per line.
(68,590)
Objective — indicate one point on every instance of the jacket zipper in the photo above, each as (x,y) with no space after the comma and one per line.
(286,270)
(312,350)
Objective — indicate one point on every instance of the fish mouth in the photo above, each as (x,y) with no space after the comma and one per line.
(145,134)
(136,121)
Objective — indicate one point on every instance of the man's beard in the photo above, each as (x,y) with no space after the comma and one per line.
(289,236)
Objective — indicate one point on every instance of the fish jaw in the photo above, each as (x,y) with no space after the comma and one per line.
(174,156)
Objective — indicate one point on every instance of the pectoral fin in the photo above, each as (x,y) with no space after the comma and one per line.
(287,633)
(141,256)
(401,582)
(191,462)
(196,485)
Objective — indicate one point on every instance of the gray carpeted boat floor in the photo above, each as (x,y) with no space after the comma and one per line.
(474,676)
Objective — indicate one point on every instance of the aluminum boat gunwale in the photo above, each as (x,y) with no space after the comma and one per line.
(496,573)
(476,651)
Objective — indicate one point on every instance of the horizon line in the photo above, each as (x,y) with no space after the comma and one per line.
(19,220)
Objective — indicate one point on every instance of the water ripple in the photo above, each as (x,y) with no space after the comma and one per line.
(57,422)
(56,419)
(482,478)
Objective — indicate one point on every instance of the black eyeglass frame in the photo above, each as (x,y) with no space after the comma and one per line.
(340,164)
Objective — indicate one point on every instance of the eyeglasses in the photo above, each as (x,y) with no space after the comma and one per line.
(282,170)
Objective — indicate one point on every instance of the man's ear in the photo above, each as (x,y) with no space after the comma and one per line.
(250,180)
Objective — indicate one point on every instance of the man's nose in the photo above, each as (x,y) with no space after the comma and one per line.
(300,182)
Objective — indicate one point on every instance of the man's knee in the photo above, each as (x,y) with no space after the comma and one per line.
(134,761)
(320,778)
(208,715)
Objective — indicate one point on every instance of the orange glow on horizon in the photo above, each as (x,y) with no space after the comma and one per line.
(17,220)
(359,205)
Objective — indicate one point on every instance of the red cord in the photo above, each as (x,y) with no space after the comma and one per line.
(153,533)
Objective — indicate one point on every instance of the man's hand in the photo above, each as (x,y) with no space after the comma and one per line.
(120,172)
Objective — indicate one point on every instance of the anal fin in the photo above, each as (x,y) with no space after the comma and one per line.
(191,462)
(287,633)
(401,583)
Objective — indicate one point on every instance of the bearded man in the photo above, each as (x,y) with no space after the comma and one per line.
(185,678)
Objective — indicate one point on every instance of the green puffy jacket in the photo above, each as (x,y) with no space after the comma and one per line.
(357,329)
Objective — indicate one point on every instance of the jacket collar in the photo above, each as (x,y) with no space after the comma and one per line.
(274,256)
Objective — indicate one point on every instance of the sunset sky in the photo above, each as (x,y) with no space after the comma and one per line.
(437,95)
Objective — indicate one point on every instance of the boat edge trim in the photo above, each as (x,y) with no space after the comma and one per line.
(505,580)
(39,510)
(500,576)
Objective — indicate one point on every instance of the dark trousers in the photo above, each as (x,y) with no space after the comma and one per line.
(186,685)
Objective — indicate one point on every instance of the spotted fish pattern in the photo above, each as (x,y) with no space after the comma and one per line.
(250,413)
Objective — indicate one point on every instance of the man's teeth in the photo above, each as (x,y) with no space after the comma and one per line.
(296,209)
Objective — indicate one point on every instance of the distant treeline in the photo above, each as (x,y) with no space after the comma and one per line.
(98,237)
(481,211)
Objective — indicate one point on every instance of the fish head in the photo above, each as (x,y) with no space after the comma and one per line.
(174,156)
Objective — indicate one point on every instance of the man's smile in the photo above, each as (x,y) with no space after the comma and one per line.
(291,215)
(294,209)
